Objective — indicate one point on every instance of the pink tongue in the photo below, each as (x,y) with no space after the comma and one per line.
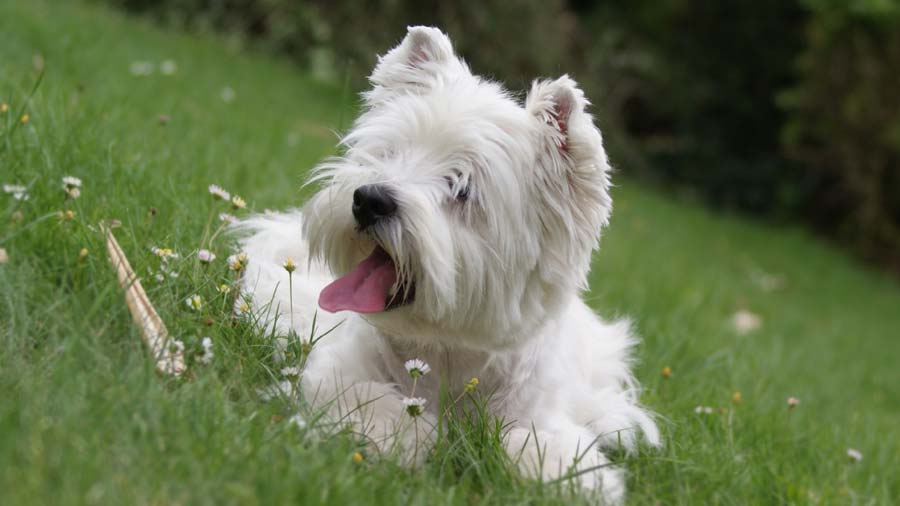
(365,289)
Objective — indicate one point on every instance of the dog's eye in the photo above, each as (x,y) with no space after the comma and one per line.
(461,189)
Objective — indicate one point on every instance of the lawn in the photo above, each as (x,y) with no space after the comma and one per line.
(85,419)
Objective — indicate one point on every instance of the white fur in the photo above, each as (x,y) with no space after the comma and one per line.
(497,277)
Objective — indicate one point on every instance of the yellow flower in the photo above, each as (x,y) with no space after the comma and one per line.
(238,262)
(67,215)
(666,372)
(4,107)
(358,457)
(289,265)
(83,254)
(471,385)
(223,288)
(24,118)
(244,308)
(238,203)
(736,398)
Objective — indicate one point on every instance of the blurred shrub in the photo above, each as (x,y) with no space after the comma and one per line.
(845,123)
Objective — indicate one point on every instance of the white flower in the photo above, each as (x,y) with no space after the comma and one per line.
(705,410)
(745,322)
(228,218)
(206,256)
(160,277)
(168,67)
(176,346)
(417,367)
(141,68)
(414,405)
(194,302)
(218,192)
(70,182)
(164,254)
(854,454)
(227,94)
(290,371)
(238,203)
(297,421)
(18,191)
(207,355)
(792,402)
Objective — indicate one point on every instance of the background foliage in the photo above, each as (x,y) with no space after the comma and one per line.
(784,109)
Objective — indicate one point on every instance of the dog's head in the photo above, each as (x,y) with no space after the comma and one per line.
(456,213)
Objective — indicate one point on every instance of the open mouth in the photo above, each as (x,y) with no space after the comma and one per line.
(371,287)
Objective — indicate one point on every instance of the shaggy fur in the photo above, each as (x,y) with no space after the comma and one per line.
(500,206)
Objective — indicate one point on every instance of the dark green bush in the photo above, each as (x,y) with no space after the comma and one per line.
(845,123)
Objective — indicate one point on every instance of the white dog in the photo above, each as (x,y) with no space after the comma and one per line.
(460,225)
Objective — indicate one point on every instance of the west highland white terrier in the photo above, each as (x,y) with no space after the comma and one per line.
(457,227)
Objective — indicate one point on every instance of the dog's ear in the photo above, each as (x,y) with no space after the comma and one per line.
(424,54)
(560,106)
(573,143)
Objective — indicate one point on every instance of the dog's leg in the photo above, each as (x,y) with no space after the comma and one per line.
(567,454)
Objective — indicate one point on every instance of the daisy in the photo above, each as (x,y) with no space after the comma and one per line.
(218,192)
(666,372)
(194,302)
(227,218)
(141,68)
(168,67)
(792,402)
(417,368)
(24,119)
(206,256)
(238,203)
(297,421)
(227,94)
(854,454)
(289,265)
(18,191)
(73,193)
(223,288)
(207,355)
(70,182)
(176,346)
(238,261)
(705,410)
(414,405)
(165,254)
(745,322)
(290,372)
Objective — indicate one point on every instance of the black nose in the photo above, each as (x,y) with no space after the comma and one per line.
(371,203)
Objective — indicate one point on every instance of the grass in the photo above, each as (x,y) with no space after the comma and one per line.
(84,419)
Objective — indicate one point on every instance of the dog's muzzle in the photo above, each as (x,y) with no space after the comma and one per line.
(373,203)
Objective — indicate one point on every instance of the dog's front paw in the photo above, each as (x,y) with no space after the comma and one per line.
(552,456)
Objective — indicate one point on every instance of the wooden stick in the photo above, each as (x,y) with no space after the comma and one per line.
(153,330)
